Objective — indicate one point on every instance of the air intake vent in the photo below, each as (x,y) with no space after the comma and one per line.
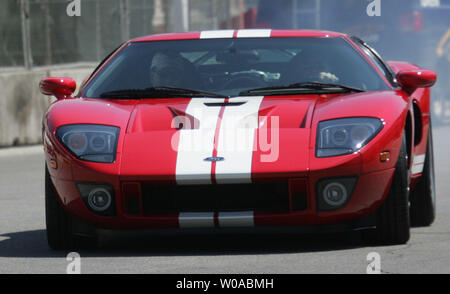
(270,197)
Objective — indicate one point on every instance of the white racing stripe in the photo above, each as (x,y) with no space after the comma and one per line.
(236,137)
(217,34)
(197,144)
(254,33)
(224,219)
(247,33)
(196,220)
(236,140)
(236,219)
(418,164)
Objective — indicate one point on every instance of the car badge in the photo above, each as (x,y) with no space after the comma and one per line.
(214,159)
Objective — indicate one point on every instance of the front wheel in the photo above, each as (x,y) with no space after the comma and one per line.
(423,198)
(63,231)
(392,218)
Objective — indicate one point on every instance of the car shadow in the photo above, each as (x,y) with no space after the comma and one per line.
(33,244)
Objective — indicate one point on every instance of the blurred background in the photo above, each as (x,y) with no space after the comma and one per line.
(68,38)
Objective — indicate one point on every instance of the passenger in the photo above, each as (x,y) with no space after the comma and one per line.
(308,67)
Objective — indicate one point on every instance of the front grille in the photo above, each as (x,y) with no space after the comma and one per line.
(273,197)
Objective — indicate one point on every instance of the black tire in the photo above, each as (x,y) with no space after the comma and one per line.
(423,198)
(392,218)
(63,231)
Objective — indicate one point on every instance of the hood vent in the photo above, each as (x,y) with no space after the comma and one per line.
(220,104)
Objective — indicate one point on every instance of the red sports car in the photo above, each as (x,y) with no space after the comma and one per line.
(241,128)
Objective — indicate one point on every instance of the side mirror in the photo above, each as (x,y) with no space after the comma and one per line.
(58,87)
(410,80)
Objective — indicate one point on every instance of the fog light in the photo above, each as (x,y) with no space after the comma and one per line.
(99,199)
(335,194)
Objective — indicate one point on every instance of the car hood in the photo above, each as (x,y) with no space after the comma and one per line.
(209,140)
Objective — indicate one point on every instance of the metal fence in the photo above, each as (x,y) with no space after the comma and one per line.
(41,32)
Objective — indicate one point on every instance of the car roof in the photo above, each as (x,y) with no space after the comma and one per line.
(243,33)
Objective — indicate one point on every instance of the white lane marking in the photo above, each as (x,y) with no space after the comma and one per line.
(418,163)
(196,220)
(254,33)
(236,219)
(197,144)
(217,34)
(16,151)
(236,141)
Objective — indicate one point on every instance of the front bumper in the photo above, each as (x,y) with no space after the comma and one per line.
(368,194)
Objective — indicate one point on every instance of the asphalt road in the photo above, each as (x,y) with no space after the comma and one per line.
(23,247)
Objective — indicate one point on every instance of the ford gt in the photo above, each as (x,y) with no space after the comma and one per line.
(240,128)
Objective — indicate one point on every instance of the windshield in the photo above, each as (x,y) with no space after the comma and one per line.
(229,67)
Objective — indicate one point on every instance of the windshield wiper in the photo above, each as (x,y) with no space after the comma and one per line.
(158,92)
(300,88)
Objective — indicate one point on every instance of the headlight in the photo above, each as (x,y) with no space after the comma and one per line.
(95,143)
(345,136)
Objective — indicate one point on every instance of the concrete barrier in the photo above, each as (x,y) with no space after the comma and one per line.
(22,106)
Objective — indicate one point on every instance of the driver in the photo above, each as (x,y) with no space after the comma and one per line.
(309,67)
(172,70)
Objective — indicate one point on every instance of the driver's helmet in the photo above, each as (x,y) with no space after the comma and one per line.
(170,70)
(309,67)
